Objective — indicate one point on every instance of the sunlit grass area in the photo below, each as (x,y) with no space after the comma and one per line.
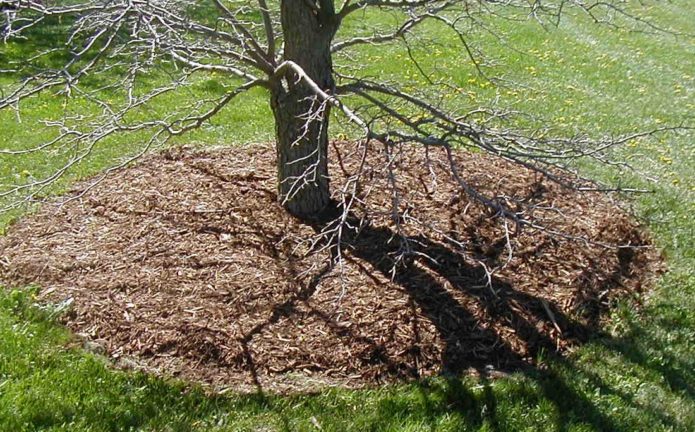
(577,77)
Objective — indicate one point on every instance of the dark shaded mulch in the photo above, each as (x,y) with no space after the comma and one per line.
(185,264)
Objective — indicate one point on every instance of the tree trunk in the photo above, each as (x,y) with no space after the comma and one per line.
(301,119)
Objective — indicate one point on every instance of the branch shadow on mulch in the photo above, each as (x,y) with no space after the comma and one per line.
(496,297)
(375,246)
(185,265)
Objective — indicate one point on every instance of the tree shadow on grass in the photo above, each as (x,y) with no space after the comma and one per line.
(678,374)
(46,44)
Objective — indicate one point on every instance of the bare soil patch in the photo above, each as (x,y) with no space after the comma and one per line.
(185,264)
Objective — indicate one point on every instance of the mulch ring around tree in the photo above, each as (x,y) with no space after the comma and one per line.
(185,265)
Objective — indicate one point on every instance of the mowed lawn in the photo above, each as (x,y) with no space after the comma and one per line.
(576,77)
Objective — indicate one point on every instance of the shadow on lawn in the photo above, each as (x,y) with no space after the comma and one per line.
(679,375)
(47,47)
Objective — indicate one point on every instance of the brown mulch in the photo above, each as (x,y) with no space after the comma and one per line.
(186,265)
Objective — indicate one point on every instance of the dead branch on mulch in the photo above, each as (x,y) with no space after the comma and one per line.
(185,264)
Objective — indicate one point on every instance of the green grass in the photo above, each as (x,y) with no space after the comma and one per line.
(578,77)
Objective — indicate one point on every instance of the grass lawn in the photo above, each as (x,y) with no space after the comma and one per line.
(579,76)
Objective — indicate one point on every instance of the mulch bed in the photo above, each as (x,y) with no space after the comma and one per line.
(185,264)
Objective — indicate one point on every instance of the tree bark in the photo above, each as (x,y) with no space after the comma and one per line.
(301,119)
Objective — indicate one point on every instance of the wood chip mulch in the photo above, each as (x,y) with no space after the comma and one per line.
(184,264)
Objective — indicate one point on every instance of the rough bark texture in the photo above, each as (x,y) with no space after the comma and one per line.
(301,121)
